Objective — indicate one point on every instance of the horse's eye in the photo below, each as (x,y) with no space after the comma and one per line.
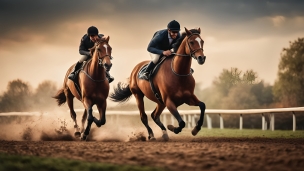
(191,42)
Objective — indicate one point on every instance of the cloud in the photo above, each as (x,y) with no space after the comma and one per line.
(278,20)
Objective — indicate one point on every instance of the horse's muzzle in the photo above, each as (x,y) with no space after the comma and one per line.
(201,60)
(108,66)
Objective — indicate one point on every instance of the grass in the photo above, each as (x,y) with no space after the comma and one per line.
(32,163)
(247,133)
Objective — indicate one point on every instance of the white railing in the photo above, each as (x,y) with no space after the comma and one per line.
(190,116)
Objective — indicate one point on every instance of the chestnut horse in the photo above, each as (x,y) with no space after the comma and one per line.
(174,82)
(93,85)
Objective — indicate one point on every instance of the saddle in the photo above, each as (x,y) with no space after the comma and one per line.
(76,82)
(152,74)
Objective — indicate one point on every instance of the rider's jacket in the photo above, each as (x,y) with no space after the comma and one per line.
(160,42)
(85,44)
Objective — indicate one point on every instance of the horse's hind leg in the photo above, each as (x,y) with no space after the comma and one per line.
(173,109)
(70,98)
(155,116)
(195,102)
(143,115)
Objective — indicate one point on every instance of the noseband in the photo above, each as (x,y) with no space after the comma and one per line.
(100,59)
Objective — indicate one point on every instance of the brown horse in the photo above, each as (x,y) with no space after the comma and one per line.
(173,81)
(93,85)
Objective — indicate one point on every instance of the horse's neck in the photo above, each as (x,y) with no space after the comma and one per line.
(182,64)
(94,70)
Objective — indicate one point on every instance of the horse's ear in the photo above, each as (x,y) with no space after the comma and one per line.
(107,39)
(188,32)
(199,30)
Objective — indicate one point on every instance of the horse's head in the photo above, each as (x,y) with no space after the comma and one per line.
(103,50)
(195,45)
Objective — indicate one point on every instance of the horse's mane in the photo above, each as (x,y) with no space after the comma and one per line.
(180,40)
(100,40)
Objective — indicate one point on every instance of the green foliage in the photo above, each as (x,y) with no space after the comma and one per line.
(32,163)
(43,94)
(235,89)
(289,87)
(248,133)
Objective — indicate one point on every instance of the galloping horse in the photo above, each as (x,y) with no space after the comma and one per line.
(93,85)
(173,81)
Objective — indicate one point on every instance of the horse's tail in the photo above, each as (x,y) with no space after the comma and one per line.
(60,97)
(121,93)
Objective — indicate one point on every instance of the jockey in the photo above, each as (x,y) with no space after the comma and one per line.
(87,42)
(161,45)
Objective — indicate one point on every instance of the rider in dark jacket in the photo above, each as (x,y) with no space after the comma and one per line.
(87,42)
(161,45)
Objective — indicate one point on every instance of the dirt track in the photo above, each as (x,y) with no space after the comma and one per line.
(178,154)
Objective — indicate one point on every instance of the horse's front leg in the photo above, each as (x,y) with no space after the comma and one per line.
(195,102)
(173,109)
(102,113)
(83,120)
(90,119)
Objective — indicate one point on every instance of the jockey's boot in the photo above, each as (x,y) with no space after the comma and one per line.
(109,77)
(146,74)
(72,76)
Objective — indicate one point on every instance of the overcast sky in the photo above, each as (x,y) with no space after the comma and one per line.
(39,40)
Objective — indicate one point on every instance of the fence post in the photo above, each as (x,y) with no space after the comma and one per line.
(241,121)
(189,121)
(209,121)
(294,123)
(185,119)
(263,122)
(272,122)
(221,122)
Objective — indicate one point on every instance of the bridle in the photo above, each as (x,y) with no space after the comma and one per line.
(100,58)
(192,52)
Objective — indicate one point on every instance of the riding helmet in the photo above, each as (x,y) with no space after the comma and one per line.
(173,25)
(92,30)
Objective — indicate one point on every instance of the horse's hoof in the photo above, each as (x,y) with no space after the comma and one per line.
(77,134)
(83,137)
(152,139)
(171,127)
(195,131)
(165,137)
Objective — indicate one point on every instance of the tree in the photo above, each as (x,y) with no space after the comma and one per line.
(17,97)
(228,79)
(289,86)
(43,94)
